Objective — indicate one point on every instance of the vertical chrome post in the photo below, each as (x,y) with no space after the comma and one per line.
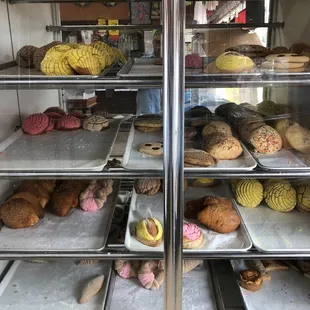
(173,107)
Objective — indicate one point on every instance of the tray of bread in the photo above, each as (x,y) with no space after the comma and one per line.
(273,285)
(216,228)
(275,135)
(63,61)
(56,284)
(275,213)
(69,215)
(58,142)
(139,292)
(209,145)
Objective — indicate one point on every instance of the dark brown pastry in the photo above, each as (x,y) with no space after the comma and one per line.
(249,50)
(147,186)
(251,280)
(219,215)
(279,50)
(189,133)
(24,56)
(193,207)
(63,200)
(18,213)
(37,189)
(32,199)
(298,48)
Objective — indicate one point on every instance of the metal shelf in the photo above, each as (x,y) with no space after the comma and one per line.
(89,1)
(150,27)
(127,174)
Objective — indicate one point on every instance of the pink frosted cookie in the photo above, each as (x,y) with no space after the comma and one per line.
(50,126)
(68,122)
(57,110)
(193,61)
(35,124)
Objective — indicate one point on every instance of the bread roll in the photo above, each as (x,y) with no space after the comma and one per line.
(299,138)
(281,126)
(223,147)
(266,140)
(18,213)
(251,280)
(219,215)
(216,127)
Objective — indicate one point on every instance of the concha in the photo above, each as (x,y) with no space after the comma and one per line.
(249,193)
(280,195)
(303,197)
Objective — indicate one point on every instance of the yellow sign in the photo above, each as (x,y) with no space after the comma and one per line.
(113,23)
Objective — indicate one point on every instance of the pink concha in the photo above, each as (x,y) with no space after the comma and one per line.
(193,61)
(50,126)
(35,124)
(68,122)
(53,115)
(57,110)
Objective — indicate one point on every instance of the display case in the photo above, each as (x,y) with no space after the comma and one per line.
(215,186)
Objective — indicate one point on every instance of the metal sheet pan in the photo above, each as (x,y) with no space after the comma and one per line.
(287,290)
(273,231)
(54,285)
(198,293)
(146,67)
(79,231)
(143,206)
(11,69)
(134,160)
(78,150)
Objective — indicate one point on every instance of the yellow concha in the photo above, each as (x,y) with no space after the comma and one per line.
(84,62)
(142,231)
(249,193)
(234,61)
(280,195)
(303,197)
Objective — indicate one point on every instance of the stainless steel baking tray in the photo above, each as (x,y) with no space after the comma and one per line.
(12,70)
(54,285)
(128,294)
(146,67)
(283,159)
(273,231)
(143,206)
(134,160)
(287,290)
(78,150)
(79,231)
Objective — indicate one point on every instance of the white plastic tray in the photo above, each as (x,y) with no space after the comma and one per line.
(287,290)
(273,231)
(134,160)
(198,294)
(78,150)
(80,230)
(283,159)
(143,206)
(55,285)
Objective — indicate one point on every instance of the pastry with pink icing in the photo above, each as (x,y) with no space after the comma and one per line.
(50,126)
(68,122)
(53,115)
(95,195)
(193,61)
(35,124)
(192,236)
(127,268)
(151,274)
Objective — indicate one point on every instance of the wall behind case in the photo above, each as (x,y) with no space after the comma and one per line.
(28,22)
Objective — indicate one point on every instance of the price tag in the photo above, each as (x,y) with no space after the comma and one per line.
(113,23)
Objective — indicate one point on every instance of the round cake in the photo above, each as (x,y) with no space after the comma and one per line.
(280,195)
(36,124)
(68,122)
(249,193)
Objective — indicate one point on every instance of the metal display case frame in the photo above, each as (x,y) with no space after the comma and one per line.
(173,84)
